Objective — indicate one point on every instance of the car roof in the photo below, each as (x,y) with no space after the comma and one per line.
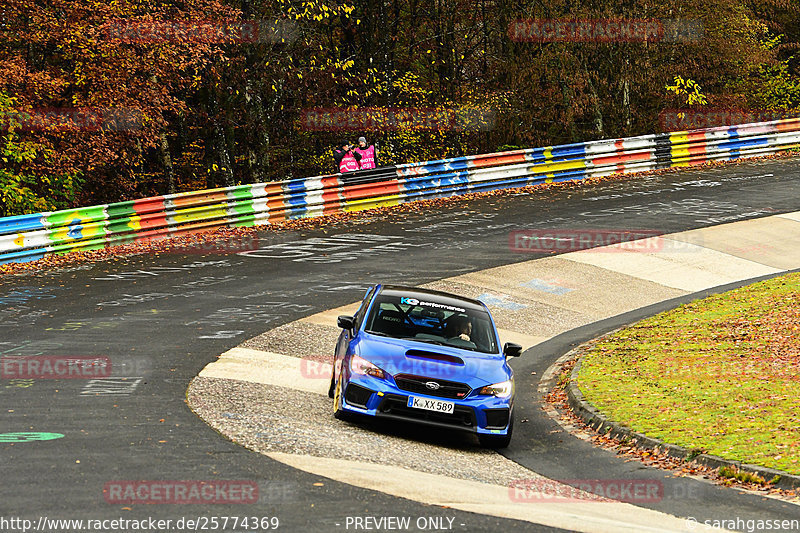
(439,297)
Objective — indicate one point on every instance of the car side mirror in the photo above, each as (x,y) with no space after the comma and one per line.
(345,322)
(511,349)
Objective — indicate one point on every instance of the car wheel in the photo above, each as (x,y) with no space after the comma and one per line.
(497,441)
(338,412)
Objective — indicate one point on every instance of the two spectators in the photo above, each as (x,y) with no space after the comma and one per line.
(349,158)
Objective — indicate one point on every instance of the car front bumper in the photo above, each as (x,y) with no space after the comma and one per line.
(370,396)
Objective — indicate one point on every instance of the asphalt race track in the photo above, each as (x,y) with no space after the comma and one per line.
(160,320)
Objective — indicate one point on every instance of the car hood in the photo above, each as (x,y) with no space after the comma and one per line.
(407,356)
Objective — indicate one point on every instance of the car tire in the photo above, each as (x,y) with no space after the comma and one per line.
(497,441)
(330,389)
(338,412)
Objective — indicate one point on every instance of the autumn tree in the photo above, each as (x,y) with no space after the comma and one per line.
(211,93)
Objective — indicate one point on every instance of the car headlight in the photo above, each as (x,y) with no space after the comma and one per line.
(359,365)
(500,390)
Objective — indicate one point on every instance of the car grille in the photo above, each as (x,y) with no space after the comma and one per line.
(461,416)
(447,389)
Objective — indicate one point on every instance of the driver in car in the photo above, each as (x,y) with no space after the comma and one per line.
(460,327)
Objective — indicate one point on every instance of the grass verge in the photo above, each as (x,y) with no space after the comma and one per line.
(720,374)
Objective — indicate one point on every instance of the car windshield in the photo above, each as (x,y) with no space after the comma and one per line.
(432,322)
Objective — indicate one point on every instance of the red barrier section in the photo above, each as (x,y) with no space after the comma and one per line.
(697,150)
(192,199)
(331,196)
(696,136)
(792,125)
(507,158)
(621,158)
(275,203)
(149,205)
(156,219)
(368,190)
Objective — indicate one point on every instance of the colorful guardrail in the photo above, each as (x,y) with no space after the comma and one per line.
(30,237)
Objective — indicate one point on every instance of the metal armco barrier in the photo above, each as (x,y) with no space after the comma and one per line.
(30,237)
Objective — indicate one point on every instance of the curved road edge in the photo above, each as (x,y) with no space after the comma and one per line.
(600,423)
(536,301)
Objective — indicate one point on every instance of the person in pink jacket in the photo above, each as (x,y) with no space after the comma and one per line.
(346,159)
(369,155)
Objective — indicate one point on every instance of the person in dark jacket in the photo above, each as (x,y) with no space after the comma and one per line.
(369,154)
(346,159)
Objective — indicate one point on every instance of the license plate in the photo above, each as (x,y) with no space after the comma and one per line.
(431,405)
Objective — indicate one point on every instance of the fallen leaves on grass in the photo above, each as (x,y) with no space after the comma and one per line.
(629,451)
(719,373)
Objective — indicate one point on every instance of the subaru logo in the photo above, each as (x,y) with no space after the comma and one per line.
(432,385)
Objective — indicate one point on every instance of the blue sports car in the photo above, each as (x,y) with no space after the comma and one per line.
(425,356)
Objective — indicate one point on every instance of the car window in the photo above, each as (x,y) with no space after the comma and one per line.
(393,316)
(362,309)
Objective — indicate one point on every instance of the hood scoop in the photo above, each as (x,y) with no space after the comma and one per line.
(434,356)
